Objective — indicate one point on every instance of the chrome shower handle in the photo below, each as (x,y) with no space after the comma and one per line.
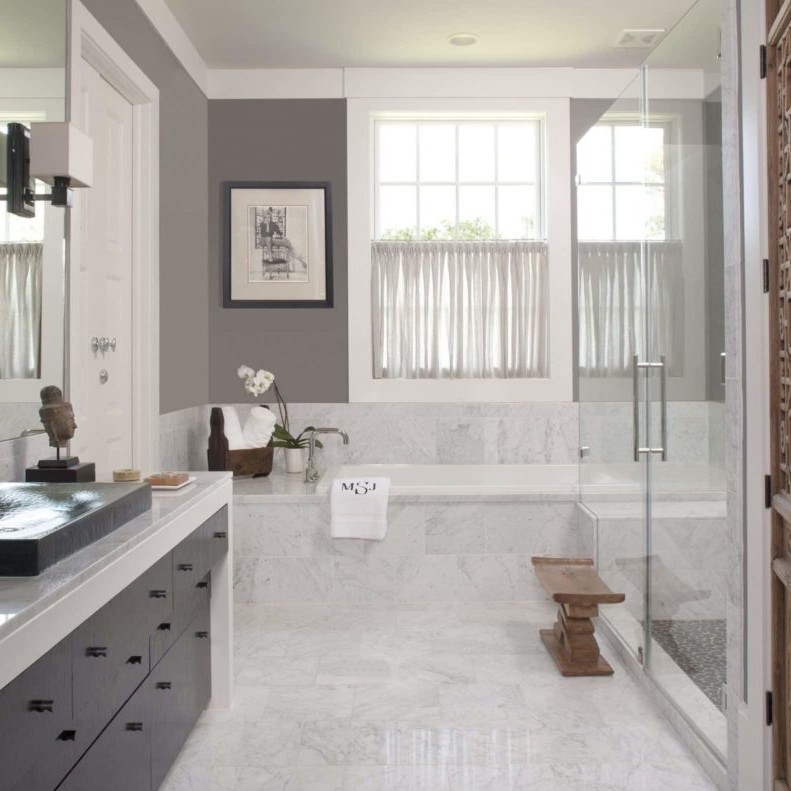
(636,407)
(637,366)
(663,396)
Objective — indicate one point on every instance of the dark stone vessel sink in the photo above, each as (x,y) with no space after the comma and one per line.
(41,523)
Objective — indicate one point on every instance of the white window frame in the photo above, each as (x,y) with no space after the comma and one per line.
(361,164)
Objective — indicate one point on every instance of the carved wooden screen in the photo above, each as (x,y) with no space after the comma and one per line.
(779,179)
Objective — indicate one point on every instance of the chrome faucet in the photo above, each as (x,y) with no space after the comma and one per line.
(311,473)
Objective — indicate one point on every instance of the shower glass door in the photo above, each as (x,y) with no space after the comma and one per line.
(652,366)
(687,541)
(612,340)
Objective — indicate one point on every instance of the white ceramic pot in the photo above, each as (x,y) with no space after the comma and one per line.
(295,460)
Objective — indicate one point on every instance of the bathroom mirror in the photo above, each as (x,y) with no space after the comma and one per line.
(32,250)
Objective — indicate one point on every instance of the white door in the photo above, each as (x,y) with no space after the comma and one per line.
(102,281)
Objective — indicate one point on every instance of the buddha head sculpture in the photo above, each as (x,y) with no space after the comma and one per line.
(57,416)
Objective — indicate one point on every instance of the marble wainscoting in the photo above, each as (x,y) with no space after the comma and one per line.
(184,438)
(17,454)
(695,431)
(434,551)
(389,433)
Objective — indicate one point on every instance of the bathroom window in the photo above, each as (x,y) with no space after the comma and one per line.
(459,265)
(469,180)
(622,192)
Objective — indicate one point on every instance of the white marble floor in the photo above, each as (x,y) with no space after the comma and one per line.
(429,697)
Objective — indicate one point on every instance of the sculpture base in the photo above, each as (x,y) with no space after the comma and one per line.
(79,473)
(58,464)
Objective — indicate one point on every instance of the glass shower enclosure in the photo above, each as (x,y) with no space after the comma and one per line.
(652,365)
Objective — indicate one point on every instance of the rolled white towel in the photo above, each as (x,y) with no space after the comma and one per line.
(358,508)
(258,427)
(233,429)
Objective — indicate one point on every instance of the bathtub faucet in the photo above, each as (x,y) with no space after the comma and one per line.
(311,473)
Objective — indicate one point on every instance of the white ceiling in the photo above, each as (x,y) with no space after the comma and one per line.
(248,34)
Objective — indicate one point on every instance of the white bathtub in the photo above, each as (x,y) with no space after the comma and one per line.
(464,479)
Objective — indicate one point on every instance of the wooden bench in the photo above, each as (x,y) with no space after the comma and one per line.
(574,584)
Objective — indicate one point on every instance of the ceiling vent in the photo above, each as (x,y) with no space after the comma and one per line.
(638,39)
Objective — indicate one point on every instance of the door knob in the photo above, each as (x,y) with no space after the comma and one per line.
(103,376)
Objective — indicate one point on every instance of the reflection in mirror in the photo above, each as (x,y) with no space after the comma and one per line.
(32,251)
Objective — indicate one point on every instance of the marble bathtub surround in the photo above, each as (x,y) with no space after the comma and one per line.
(359,697)
(483,433)
(433,551)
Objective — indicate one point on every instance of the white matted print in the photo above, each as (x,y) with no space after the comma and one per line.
(277,245)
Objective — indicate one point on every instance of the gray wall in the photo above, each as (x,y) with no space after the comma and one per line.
(306,349)
(184,365)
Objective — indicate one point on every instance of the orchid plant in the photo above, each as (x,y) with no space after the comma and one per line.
(257,383)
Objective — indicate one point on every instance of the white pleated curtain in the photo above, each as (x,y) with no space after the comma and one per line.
(460,310)
(616,301)
(20,310)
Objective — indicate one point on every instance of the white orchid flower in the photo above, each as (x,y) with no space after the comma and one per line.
(245,372)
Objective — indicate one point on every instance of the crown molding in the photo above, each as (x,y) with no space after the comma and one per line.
(458,83)
(180,44)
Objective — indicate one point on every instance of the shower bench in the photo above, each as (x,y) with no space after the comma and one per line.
(576,586)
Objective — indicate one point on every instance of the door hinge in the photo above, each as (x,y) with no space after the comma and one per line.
(769,708)
(762,60)
(766,275)
(767,491)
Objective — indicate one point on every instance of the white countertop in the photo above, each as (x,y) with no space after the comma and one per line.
(37,612)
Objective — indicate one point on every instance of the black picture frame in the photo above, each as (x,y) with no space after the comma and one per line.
(231,258)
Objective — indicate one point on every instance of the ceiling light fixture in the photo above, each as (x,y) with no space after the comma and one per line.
(463,39)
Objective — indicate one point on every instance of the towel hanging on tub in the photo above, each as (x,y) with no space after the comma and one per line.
(358,508)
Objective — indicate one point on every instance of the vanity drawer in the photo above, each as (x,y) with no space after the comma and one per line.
(194,557)
(120,758)
(38,740)
(110,657)
(148,600)
(190,603)
(213,536)
(179,689)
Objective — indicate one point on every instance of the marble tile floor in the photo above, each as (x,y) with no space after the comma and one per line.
(424,698)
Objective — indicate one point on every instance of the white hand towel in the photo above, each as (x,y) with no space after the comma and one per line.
(233,429)
(258,427)
(358,508)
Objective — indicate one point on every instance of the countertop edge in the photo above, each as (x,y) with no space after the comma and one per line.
(35,629)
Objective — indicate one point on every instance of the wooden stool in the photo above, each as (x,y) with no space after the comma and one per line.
(574,584)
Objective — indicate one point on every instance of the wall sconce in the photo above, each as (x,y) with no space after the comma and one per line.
(58,154)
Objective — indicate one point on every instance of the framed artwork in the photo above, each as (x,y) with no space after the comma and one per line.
(278,245)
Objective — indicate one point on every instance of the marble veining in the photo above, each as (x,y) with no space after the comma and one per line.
(369,697)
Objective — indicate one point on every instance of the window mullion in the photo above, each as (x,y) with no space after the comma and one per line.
(417,181)
(496,184)
(457,181)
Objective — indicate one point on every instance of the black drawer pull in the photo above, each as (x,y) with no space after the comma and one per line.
(96,651)
(67,736)
(221,534)
(164,685)
(164,627)
(158,594)
(41,706)
(203,584)
(186,567)
(201,635)
(134,726)
(134,660)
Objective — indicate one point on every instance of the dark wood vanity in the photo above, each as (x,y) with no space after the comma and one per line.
(111,705)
